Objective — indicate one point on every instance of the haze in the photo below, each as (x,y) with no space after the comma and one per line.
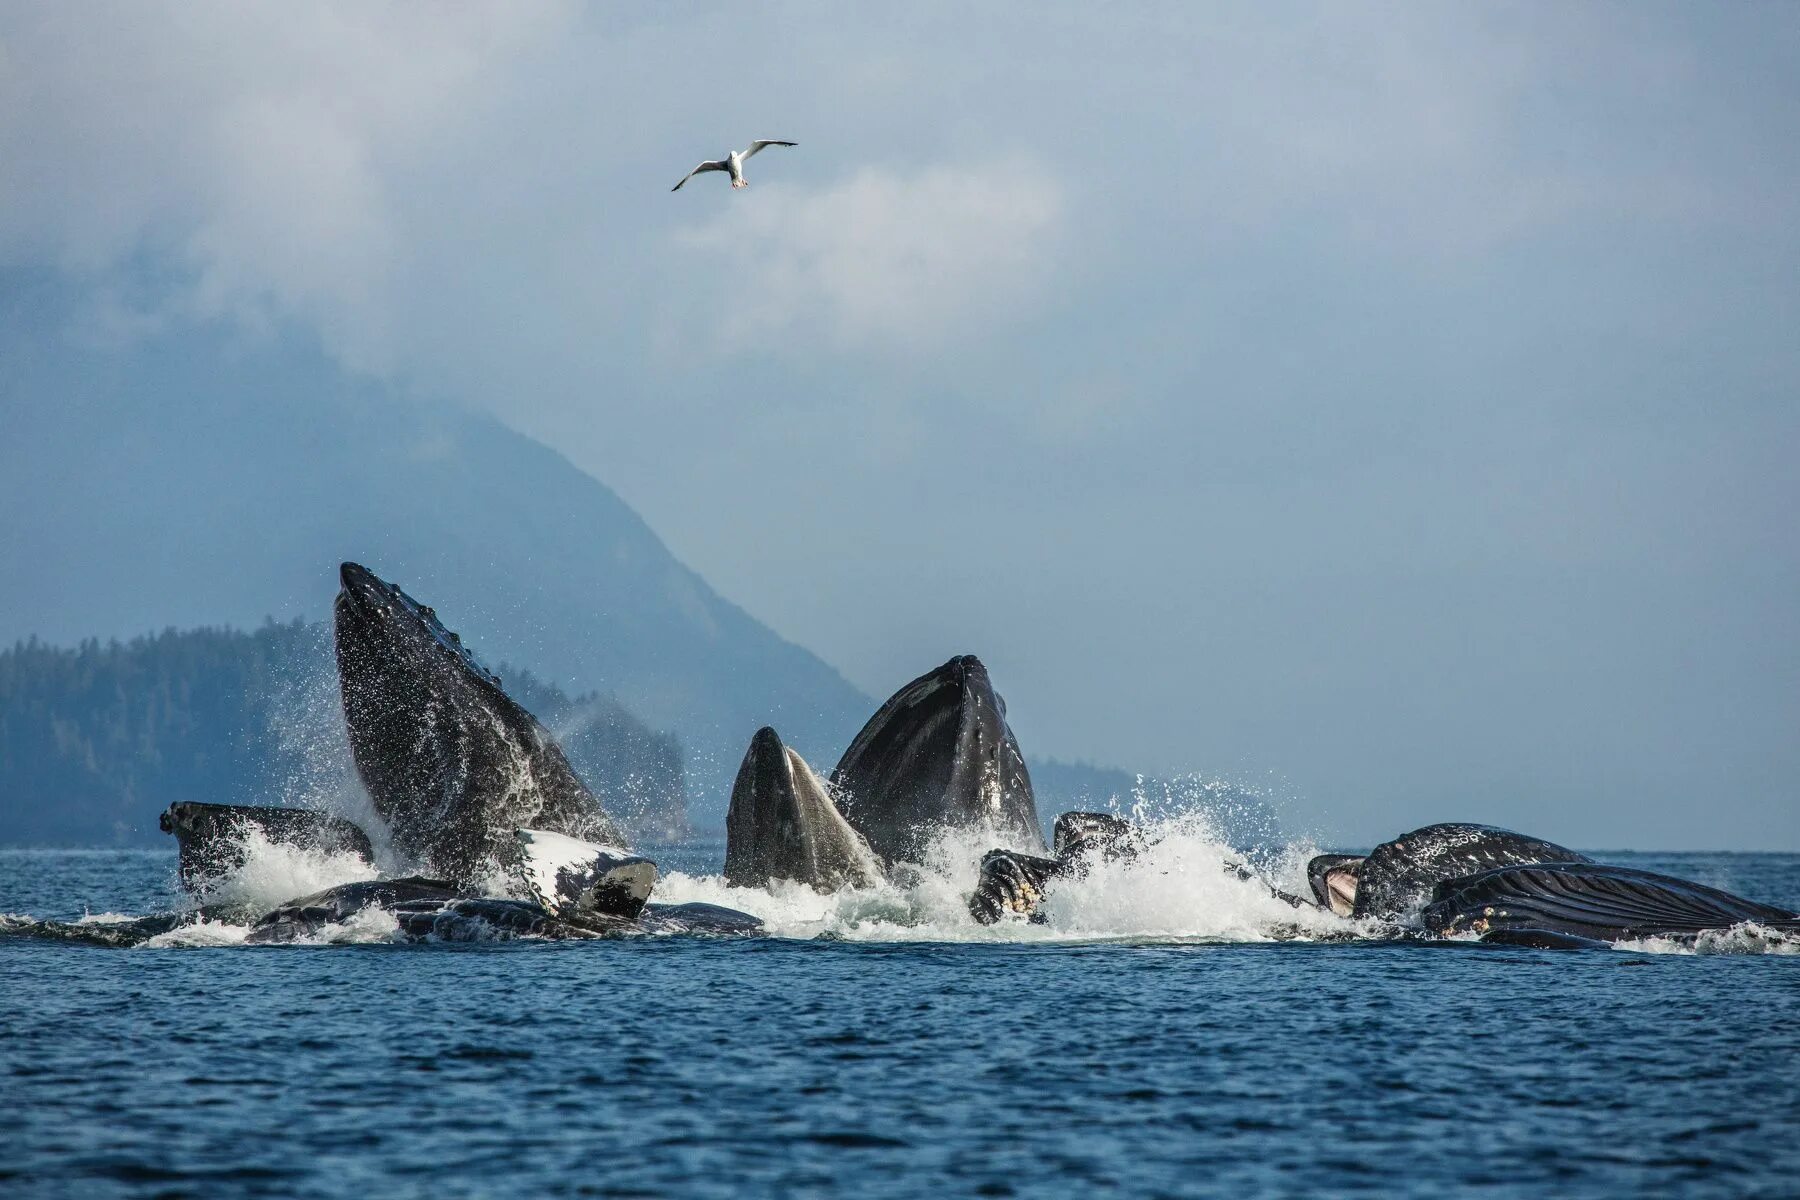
(1393,406)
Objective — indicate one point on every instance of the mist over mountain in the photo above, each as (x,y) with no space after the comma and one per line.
(194,481)
(200,480)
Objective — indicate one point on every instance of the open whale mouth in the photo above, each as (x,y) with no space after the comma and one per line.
(1334,879)
(1340,892)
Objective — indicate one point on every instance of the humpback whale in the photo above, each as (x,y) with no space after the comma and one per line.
(1456,879)
(1553,903)
(937,756)
(435,910)
(782,824)
(452,763)
(455,768)
(575,890)
(1396,879)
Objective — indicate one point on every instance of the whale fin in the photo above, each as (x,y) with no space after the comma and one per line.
(568,876)
(1591,900)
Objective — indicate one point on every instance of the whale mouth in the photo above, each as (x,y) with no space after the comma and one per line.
(1334,879)
(1340,891)
(783,823)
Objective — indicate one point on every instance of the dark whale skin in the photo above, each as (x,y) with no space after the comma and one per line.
(1589,900)
(306,915)
(938,755)
(433,910)
(1399,877)
(783,824)
(452,763)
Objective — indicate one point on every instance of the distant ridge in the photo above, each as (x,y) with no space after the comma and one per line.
(268,467)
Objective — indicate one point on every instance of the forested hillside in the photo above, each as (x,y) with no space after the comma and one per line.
(97,739)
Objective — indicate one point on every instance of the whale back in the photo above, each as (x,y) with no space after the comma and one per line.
(452,763)
(783,824)
(1399,877)
(1590,900)
(938,755)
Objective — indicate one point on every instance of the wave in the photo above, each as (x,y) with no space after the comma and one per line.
(1748,938)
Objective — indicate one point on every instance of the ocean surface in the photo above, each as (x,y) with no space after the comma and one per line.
(1169,1035)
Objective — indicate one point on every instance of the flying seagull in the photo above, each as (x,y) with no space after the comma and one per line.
(732,164)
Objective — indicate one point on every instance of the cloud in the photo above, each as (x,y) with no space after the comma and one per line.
(261,157)
(884,259)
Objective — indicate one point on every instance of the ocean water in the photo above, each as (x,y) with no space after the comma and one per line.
(1172,1033)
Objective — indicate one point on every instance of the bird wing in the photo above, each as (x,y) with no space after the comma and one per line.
(758,145)
(711,164)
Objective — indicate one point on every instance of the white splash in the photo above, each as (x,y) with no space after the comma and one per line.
(198,934)
(272,873)
(367,927)
(1748,938)
(1181,888)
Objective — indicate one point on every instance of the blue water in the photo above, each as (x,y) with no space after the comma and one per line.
(792,1067)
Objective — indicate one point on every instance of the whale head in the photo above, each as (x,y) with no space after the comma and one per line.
(783,824)
(938,756)
(452,763)
(1334,878)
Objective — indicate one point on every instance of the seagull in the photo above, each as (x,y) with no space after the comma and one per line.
(732,164)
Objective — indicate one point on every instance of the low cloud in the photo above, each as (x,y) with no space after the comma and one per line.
(884,259)
(259,157)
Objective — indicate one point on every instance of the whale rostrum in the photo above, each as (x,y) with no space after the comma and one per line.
(452,763)
(782,824)
(938,755)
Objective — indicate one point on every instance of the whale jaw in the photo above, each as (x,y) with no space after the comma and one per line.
(452,763)
(783,824)
(938,756)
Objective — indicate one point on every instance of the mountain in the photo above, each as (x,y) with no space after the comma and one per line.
(193,480)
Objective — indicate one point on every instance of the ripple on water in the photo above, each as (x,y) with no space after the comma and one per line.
(904,1068)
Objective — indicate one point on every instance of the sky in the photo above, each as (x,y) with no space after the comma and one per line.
(1397,405)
